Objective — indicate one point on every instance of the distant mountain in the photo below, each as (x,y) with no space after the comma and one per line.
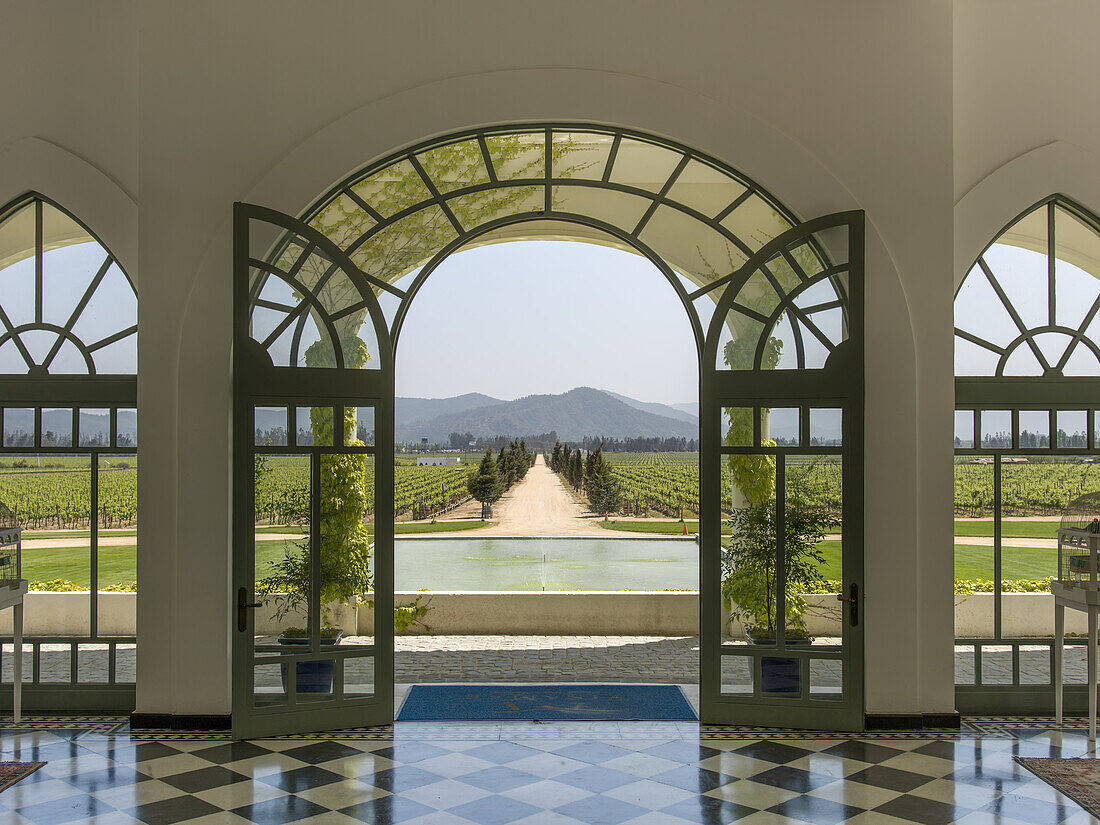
(690,407)
(668,410)
(409,410)
(574,414)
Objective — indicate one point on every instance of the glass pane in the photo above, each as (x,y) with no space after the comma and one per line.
(971,359)
(781,675)
(479,208)
(996,664)
(401,247)
(620,209)
(1033,494)
(111,310)
(55,663)
(1076,268)
(51,496)
(756,222)
(393,189)
(342,221)
(455,165)
(964,664)
(7,663)
(313,426)
(973,548)
(126,663)
(1035,664)
(704,188)
(282,565)
(826,427)
(17,234)
(1073,429)
(519,155)
(1018,261)
(780,425)
(71,257)
(126,428)
(358,677)
(980,311)
(269,685)
(737,346)
(826,679)
(361,429)
(814,554)
(57,427)
(964,429)
(1034,429)
(737,427)
(18,427)
(270,426)
(996,429)
(315,678)
(117,553)
(643,165)
(749,558)
(580,155)
(91,663)
(691,246)
(95,428)
(737,674)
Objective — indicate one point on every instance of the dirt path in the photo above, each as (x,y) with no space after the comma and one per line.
(539,506)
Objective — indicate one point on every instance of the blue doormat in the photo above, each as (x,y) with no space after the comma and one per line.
(545,703)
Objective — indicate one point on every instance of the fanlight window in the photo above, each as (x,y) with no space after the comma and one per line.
(66,306)
(1028,307)
(701,219)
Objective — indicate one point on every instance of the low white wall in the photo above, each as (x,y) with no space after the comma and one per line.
(1022,614)
(595,613)
(67,614)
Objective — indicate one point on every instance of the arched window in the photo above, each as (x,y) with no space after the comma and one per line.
(68,462)
(1027,387)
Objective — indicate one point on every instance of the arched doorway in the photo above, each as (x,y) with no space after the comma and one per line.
(318,306)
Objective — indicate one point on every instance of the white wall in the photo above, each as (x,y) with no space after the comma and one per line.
(900,109)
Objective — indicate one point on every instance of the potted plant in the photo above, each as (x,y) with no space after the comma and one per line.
(343,544)
(750,588)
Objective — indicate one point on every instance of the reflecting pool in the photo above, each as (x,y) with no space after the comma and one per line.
(567,563)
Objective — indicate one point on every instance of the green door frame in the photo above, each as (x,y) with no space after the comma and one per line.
(838,385)
(258,383)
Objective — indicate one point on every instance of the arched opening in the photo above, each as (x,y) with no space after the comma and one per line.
(1026,365)
(68,458)
(321,301)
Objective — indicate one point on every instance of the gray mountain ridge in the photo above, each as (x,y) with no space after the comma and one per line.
(580,412)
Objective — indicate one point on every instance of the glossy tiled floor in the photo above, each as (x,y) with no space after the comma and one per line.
(596,773)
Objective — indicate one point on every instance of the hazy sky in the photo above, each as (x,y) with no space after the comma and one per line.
(529,317)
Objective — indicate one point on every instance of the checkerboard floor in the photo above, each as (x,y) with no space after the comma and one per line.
(598,773)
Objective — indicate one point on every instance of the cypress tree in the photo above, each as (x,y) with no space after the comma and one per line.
(485,483)
(602,488)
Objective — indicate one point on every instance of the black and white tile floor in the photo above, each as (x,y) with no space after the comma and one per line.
(600,773)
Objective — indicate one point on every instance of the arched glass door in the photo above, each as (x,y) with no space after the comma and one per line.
(313,553)
(320,300)
(781,468)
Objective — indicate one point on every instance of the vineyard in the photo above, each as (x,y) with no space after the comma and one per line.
(669,482)
(55,491)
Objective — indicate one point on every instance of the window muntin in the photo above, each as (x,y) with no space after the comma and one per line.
(67,307)
(1028,306)
(704,220)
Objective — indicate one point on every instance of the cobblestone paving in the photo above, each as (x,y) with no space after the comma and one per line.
(547,658)
(672,660)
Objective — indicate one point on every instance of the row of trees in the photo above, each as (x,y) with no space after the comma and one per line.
(588,471)
(496,474)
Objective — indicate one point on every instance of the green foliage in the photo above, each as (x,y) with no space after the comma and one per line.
(749,583)
(601,486)
(486,484)
(964,587)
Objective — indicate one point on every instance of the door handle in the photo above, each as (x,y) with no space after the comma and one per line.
(853,603)
(243,605)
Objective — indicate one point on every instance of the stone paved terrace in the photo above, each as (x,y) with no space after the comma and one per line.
(549,658)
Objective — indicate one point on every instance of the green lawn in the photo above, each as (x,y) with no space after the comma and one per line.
(1009,529)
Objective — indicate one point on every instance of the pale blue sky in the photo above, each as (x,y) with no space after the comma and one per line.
(529,317)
